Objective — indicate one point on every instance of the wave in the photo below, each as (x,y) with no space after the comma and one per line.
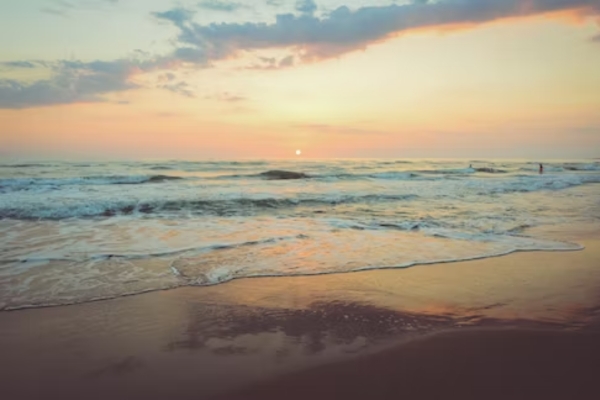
(163,254)
(287,175)
(490,170)
(393,162)
(15,184)
(392,175)
(532,183)
(563,167)
(582,167)
(214,207)
(221,205)
(463,171)
(397,175)
(32,165)
(384,175)
(281,174)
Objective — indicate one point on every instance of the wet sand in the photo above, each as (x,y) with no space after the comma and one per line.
(520,326)
(473,364)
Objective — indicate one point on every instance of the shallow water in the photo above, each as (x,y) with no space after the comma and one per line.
(74,232)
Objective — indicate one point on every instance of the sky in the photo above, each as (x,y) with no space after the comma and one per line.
(194,79)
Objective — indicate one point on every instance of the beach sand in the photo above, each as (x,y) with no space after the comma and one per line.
(524,325)
(473,364)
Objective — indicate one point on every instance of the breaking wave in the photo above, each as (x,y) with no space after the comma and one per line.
(215,207)
(16,184)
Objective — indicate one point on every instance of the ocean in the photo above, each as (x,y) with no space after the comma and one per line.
(73,232)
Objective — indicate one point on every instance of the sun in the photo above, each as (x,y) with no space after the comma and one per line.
(298,152)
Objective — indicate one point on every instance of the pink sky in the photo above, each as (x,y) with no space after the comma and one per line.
(517,82)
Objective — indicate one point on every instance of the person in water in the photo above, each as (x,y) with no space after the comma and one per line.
(541,169)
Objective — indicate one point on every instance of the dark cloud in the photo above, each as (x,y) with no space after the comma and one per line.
(306,6)
(178,16)
(190,55)
(344,30)
(75,82)
(15,94)
(220,5)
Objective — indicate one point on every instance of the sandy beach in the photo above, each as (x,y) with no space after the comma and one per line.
(299,199)
(520,326)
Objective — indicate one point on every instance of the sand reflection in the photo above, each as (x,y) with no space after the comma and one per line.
(227,330)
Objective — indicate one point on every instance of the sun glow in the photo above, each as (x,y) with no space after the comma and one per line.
(298,152)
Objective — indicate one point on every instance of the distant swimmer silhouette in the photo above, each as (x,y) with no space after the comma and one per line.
(541,169)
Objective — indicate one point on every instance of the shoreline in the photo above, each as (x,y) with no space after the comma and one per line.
(249,336)
(581,247)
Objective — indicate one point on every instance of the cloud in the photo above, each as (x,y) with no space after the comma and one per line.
(274,3)
(63,8)
(75,82)
(178,16)
(307,36)
(15,94)
(286,62)
(27,64)
(182,88)
(307,7)
(270,63)
(220,5)
(344,30)
(229,98)
(167,77)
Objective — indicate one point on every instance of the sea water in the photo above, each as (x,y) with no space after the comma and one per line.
(74,232)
